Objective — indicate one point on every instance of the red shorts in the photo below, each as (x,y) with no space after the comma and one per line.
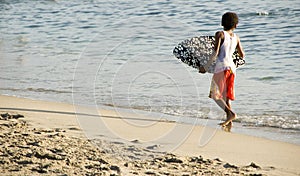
(222,85)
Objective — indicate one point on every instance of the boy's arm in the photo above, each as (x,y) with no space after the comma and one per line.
(240,48)
(219,36)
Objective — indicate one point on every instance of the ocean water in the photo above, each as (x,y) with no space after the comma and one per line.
(119,53)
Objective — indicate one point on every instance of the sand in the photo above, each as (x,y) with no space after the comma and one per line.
(49,138)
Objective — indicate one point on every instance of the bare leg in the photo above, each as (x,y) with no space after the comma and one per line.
(230,114)
(229,106)
(223,103)
(229,125)
(228,102)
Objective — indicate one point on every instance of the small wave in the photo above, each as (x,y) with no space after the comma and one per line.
(34,26)
(262,13)
(257,13)
(169,110)
(12,89)
(87,27)
(47,90)
(273,121)
(268,78)
(35,90)
(6,5)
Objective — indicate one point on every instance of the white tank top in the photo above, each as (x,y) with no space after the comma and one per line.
(224,59)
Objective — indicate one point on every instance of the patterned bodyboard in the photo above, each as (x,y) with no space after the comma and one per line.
(196,51)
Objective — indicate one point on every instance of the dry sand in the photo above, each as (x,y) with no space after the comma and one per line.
(46,139)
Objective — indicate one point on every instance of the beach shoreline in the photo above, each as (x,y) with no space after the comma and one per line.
(143,147)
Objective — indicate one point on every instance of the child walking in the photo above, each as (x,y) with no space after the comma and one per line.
(222,85)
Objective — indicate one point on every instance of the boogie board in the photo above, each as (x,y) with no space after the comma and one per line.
(196,52)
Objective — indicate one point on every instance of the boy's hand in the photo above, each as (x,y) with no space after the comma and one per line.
(202,70)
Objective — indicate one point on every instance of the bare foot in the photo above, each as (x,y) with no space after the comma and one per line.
(230,117)
(228,127)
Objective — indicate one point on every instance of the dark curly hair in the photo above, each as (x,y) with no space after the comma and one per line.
(229,20)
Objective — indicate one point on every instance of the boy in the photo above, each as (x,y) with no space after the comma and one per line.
(222,85)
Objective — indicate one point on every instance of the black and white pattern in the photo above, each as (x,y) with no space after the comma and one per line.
(197,51)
